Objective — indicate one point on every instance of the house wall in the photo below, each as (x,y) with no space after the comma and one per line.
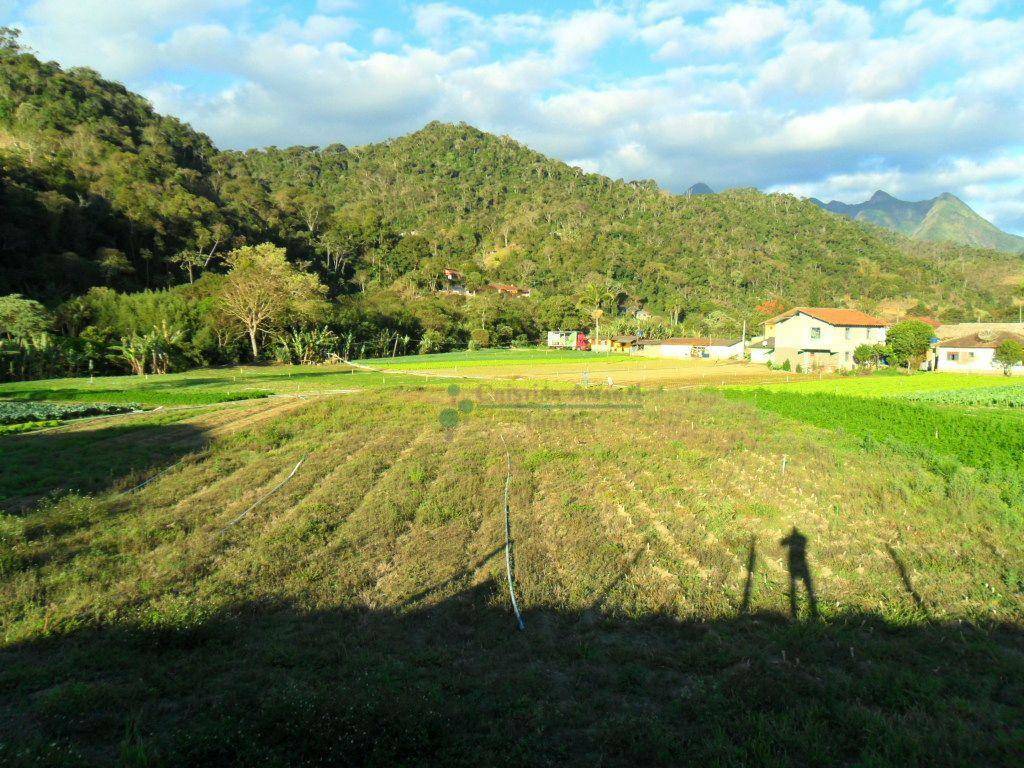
(805,332)
(685,351)
(760,355)
(674,350)
(724,353)
(971,361)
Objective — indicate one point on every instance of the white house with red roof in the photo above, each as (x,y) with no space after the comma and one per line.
(975,352)
(822,337)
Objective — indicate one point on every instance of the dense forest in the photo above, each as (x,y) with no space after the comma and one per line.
(119,225)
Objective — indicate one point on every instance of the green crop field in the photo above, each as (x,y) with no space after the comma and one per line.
(732,578)
(1004,396)
(203,386)
(889,384)
(19,412)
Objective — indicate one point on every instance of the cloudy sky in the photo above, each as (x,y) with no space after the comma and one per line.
(817,97)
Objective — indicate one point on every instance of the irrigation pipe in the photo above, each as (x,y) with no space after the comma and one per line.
(266,496)
(149,480)
(509,557)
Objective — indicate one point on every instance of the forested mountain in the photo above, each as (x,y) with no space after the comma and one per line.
(700,188)
(98,189)
(451,195)
(945,218)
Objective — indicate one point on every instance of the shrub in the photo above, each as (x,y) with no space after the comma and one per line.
(480,337)
(1009,354)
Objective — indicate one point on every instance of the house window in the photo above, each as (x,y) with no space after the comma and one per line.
(815,333)
(848,333)
(970,355)
(952,356)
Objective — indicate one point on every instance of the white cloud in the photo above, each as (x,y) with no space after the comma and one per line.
(436,20)
(385,38)
(584,34)
(745,26)
(336,6)
(901,6)
(739,28)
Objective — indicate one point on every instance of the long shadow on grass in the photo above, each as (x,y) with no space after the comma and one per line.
(455,683)
(36,464)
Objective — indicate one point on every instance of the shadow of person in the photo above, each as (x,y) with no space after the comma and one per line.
(748,587)
(799,570)
(904,574)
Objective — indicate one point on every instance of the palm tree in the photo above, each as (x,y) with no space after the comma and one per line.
(594,298)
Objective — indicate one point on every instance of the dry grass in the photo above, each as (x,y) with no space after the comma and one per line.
(598,369)
(363,603)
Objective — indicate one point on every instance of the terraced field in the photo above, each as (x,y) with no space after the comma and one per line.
(359,612)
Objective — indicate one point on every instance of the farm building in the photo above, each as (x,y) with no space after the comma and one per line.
(760,351)
(454,281)
(692,346)
(974,353)
(822,337)
(624,343)
(568,340)
(509,290)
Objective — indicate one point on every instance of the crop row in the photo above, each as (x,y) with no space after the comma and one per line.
(992,441)
(1004,397)
(19,412)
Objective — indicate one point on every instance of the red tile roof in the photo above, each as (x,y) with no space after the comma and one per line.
(840,317)
(926,320)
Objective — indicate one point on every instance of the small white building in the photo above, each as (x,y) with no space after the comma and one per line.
(974,353)
(562,339)
(692,346)
(760,351)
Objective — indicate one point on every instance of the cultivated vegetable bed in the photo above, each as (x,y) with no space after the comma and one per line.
(19,412)
(1001,396)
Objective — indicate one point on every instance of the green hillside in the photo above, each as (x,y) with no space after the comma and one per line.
(498,210)
(952,220)
(101,190)
(945,218)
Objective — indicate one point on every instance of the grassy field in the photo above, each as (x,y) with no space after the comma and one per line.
(202,386)
(360,615)
(574,367)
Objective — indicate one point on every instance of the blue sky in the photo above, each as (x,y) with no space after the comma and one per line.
(829,98)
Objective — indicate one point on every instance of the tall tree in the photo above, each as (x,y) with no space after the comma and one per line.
(263,292)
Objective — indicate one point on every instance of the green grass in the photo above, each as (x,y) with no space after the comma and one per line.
(360,614)
(484,358)
(206,385)
(890,384)
(946,437)
(27,426)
